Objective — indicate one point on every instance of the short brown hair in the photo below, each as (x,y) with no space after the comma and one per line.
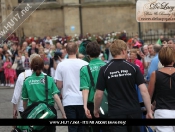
(93,49)
(150,44)
(37,65)
(117,47)
(71,48)
(133,51)
(166,56)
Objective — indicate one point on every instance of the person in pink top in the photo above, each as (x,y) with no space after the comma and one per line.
(10,74)
(133,59)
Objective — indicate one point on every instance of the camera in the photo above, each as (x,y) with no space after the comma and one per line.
(57,54)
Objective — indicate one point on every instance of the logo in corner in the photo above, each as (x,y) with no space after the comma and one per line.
(42,81)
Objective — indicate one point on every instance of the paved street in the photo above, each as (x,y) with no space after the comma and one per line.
(6,109)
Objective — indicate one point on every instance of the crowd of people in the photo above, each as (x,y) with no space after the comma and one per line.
(124,66)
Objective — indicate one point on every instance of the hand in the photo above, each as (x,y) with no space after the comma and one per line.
(64,116)
(142,55)
(87,113)
(153,107)
(149,115)
(96,113)
(15,114)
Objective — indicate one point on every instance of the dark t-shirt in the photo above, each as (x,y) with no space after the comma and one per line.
(119,77)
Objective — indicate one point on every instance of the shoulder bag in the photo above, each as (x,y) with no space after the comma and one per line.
(38,110)
(104,103)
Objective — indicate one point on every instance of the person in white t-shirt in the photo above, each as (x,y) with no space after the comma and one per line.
(16,99)
(68,81)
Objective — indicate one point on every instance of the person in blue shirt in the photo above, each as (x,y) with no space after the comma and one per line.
(154,63)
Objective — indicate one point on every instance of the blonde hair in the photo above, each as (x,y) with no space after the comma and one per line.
(117,47)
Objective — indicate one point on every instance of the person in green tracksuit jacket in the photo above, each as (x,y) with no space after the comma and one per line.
(88,91)
(34,90)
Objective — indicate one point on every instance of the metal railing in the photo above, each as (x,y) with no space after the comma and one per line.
(152,36)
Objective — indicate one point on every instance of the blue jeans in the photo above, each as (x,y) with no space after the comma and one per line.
(75,112)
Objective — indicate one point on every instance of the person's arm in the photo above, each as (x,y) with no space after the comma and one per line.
(16,96)
(58,76)
(55,92)
(85,93)
(144,61)
(59,104)
(97,101)
(25,104)
(84,87)
(151,85)
(60,84)
(100,87)
(15,113)
(144,91)
(146,100)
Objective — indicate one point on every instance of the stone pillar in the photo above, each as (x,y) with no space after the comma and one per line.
(71,17)
(3,9)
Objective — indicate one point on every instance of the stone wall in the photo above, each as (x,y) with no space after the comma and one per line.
(63,17)
(108,19)
(44,22)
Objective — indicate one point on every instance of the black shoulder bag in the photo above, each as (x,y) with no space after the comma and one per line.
(104,103)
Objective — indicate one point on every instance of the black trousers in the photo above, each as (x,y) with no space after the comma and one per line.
(96,128)
(75,112)
(2,77)
(126,128)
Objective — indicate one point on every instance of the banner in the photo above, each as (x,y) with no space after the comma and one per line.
(155,11)
(63,122)
(16,18)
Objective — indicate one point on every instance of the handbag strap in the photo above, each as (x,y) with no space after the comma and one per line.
(46,88)
(91,77)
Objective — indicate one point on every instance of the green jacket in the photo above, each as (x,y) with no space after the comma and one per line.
(85,82)
(34,89)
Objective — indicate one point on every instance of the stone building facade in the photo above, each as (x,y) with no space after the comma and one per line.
(60,17)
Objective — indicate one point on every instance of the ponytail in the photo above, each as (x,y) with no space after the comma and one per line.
(37,65)
(38,72)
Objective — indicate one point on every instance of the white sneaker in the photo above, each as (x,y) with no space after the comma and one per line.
(7,85)
(12,85)
(2,84)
